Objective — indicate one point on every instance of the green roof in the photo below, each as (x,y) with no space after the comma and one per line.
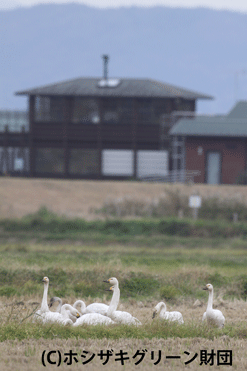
(232,125)
(210,126)
(239,111)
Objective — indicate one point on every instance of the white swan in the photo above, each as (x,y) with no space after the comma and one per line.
(44,306)
(61,318)
(213,316)
(91,308)
(163,314)
(90,318)
(59,307)
(117,315)
(93,319)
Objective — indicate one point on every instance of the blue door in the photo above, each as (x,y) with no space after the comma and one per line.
(213,168)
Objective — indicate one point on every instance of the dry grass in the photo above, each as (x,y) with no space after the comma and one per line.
(77,198)
(27,353)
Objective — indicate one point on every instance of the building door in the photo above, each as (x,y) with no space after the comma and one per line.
(213,168)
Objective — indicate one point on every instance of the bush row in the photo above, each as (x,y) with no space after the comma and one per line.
(45,221)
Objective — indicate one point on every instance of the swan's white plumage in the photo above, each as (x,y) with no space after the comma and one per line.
(44,305)
(97,308)
(116,315)
(213,316)
(61,318)
(160,309)
(44,314)
(91,308)
(93,319)
(59,307)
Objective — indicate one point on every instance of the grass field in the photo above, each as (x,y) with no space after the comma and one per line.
(169,260)
(175,274)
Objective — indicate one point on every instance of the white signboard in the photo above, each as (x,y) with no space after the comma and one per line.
(195,201)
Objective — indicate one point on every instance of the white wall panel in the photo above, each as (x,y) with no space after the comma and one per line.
(117,162)
(151,163)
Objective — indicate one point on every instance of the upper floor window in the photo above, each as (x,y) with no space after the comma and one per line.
(110,110)
(145,111)
(85,111)
(49,109)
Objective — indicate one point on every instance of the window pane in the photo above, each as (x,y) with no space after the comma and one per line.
(160,112)
(83,161)
(49,108)
(126,111)
(42,109)
(145,111)
(85,111)
(49,160)
(111,111)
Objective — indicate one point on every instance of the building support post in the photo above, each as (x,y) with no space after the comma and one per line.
(99,136)
(66,120)
(134,136)
(31,139)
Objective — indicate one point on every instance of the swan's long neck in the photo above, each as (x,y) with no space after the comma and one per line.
(44,304)
(114,301)
(82,304)
(64,309)
(59,305)
(210,300)
(162,308)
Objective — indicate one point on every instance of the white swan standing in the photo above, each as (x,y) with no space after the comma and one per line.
(213,316)
(170,316)
(117,315)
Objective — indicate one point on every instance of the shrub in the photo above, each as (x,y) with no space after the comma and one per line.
(168,292)
(7,291)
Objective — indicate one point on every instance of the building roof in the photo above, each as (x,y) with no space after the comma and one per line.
(211,126)
(239,111)
(143,88)
(232,125)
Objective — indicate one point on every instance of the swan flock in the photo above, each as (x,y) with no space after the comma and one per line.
(101,314)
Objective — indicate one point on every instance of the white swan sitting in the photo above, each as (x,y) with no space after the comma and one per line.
(44,306)
(93,319)
(213,316)
(117,315)
(59,307)
(61,318)
(91,308)
(170,316)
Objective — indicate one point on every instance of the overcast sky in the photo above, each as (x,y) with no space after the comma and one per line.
(234,5)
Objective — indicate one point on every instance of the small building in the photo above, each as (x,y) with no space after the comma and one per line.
(215,147)
(104,128)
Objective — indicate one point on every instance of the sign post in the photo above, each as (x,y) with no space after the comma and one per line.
(194,203)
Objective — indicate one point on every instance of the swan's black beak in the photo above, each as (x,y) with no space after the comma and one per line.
(154,314)
(205,288)
(108,290)
(106,281)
